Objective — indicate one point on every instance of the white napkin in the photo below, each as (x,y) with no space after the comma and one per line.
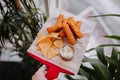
(80,47)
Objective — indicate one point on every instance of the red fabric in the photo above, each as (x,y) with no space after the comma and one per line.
(53,70)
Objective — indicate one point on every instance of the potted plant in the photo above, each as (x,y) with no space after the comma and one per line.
(103,68)
(20,22)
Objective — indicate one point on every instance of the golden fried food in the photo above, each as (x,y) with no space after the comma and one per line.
(69,33)
(60,18)
(75,29)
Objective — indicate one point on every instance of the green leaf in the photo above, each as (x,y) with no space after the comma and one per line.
(114,54)
(100,68)
(2,42)
(88,72)
(84,73)
(103,45)
(100,55)
(118,53)
(106,45)
(116,15)
(117,76)
(90,50)
(114,62)
(69,77)
(2,9)
(113,37)
(112,67)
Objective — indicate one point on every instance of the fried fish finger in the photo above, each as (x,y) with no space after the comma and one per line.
(54,28)
(60,18)
(62,34)
(75,29)
(71,19)
(78,24)
(69,33)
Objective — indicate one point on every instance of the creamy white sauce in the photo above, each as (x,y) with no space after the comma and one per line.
(66,52)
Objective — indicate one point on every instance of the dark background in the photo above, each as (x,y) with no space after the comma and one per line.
(11,71)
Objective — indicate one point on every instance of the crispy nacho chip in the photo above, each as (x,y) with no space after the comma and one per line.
(44,48)
(44,40)
(54,35)
(52,52)
(58,43)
